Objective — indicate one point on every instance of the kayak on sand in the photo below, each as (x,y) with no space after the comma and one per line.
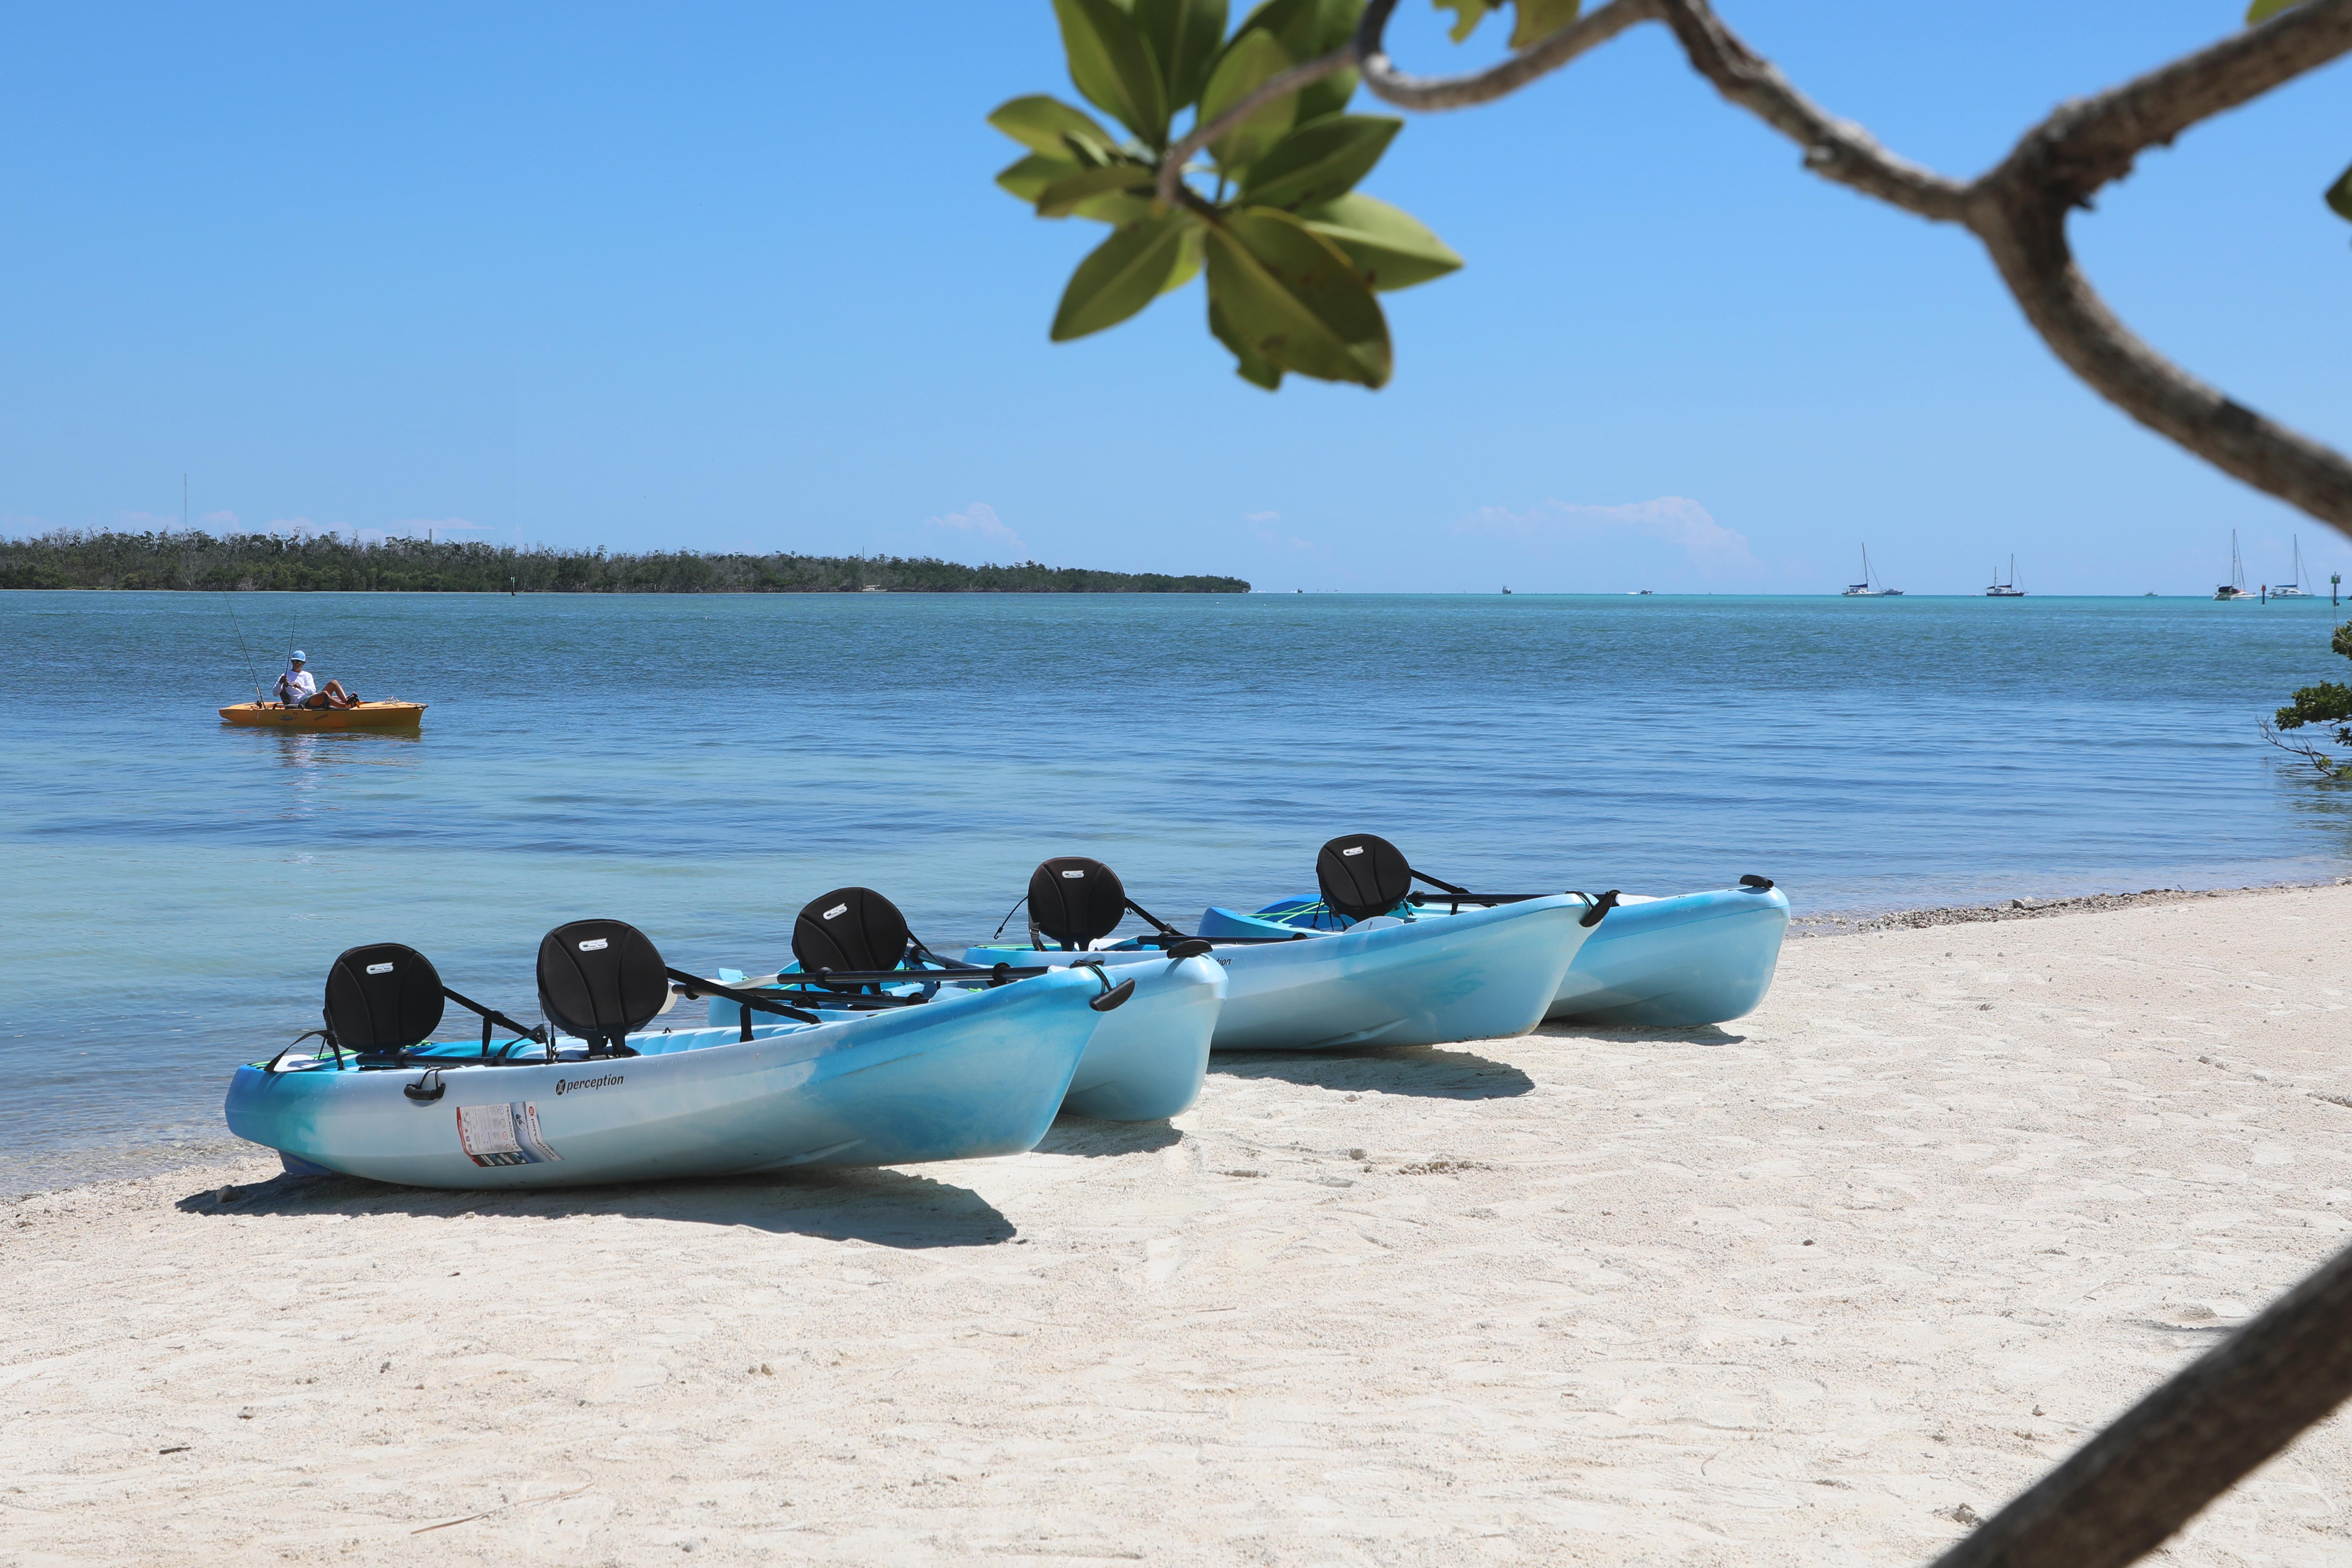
(598,1095)
(1144,1063)
(1695,958)
(1484,974)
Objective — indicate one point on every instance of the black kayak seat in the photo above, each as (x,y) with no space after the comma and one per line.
(1362,874)
(601,979)
(1076,900)
(382,997)
(853,930)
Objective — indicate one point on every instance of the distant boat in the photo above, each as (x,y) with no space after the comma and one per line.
(1870,588)
(1506,587)
(2008,590)
(2293,588)
(1638,592)
(2235,588)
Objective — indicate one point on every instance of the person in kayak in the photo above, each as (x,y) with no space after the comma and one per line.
(297,689)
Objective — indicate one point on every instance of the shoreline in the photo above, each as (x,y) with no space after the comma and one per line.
(1840,1278)
(141,1162)
(2023,909)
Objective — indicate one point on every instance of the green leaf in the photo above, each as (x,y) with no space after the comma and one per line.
(1113,66)
(1319,160)
(1308,28)
(1241,69)
(1252,366)
(1041,123)
(1391,247)
(1467,15)
(1033,177)
(2340,197)
(1539,19)
(1294,298)
(1064,196)
(1188,261)
(2263,10)
(1123,275)
(1119,207)
(1184,36)
(1029,177)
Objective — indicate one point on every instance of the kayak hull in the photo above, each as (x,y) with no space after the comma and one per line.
(1484,974)
(1697,958)
(973,1075)
(367,716)
(1147,1058)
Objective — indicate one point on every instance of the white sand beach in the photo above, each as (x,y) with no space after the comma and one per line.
(1822,1286)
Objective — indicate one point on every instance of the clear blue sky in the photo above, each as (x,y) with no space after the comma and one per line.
(734,276)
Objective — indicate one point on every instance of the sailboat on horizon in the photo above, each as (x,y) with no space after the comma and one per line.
(1870,588)
(2008,590)
(2293,588)
(2235,588)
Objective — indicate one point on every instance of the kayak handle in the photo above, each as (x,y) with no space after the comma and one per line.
(1112,997)
(1761,884)
(418,1092)
(1195,948)
(1601,906)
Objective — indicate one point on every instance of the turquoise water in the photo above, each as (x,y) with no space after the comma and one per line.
(702,765)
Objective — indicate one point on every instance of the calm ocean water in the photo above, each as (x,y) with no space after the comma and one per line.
(701,766)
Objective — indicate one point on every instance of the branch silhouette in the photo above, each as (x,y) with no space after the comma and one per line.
(2018,209)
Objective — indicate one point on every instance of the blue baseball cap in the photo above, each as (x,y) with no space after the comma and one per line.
(297,657)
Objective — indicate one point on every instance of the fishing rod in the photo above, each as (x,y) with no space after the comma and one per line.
(227,603)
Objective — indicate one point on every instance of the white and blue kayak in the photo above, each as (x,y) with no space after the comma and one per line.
(1147,1059)
(1483,975)
(1695,958)
(600,1097)
(1144,1063)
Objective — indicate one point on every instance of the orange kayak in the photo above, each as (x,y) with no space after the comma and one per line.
(367,716)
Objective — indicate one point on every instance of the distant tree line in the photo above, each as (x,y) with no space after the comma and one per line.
(68,558)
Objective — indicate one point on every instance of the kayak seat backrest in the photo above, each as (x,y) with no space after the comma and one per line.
(1076,900)
(600,978)
(382,997)
(1362,876)
(849,929)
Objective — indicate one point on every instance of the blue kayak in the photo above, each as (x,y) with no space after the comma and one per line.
(1697,958)
(972,1074)
(1483,975)
(1147,1059)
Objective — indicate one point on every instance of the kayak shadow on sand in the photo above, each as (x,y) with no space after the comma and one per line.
(887,1207)
(1083,1135)
(1642,1034)
(1434,1073)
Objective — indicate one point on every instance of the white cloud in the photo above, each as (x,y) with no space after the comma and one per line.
(980,521)
(439,525)
(1675,520)
(1261,517)
(222,519)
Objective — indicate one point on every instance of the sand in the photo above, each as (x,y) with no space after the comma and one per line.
(1822,1286)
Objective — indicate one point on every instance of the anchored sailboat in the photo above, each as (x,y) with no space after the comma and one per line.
(2235,588)
(1870,588)
(2293,588)
(2008,590)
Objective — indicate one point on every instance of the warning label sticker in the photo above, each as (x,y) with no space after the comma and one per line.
(503,1134)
